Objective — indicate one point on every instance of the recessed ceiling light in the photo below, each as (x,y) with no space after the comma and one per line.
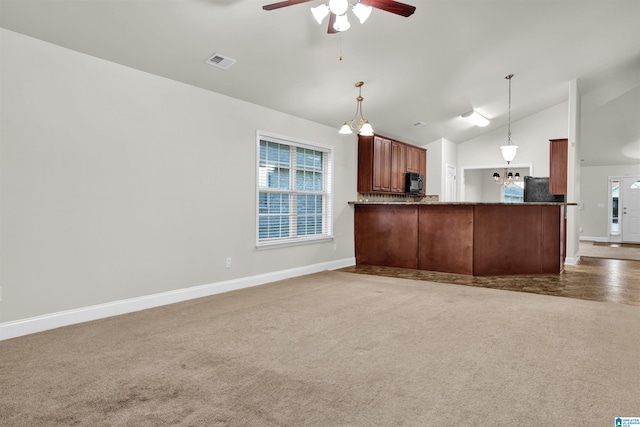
(477,118)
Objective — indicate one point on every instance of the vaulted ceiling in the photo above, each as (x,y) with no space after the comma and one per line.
(451,56)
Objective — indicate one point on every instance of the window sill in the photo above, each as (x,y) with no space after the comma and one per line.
(293,242)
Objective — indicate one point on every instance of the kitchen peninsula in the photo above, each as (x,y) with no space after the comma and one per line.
(480,239)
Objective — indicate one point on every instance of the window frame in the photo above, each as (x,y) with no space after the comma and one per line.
(326,193)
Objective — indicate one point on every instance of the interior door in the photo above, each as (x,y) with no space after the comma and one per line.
(631,209)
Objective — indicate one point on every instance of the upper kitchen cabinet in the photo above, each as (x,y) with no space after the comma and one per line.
(374,164)
(558,163)
(398,166)
(416,160)
(383,164)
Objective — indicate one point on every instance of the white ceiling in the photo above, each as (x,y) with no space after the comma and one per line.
(447,58)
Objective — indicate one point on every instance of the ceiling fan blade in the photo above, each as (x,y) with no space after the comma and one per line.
(391,6)
(332,20)
(283,4)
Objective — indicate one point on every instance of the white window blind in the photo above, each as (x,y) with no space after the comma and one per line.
(294,191)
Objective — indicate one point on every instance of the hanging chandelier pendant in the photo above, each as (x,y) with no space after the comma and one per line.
(508,179)
(358,123)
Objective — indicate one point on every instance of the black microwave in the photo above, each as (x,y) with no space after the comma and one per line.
(414,183)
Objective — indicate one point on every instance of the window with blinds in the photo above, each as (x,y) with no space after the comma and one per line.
(514,193)
(294,191)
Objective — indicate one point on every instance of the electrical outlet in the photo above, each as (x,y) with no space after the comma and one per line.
(335,247)
(227,263)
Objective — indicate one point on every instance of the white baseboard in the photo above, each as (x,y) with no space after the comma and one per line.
(45,322)
(572,260)
(594,239)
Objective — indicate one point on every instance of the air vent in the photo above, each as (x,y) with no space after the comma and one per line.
(419,124)
(220,61)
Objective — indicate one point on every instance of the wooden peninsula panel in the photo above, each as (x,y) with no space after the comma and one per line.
(387,235)
(446,230)
(516,239)
(481,239)
(507,240)
(553,239)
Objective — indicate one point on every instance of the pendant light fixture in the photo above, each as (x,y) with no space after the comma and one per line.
(509,150)
(358,123)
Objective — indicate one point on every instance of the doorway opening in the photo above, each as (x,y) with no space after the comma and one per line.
(477,184)
(624,209)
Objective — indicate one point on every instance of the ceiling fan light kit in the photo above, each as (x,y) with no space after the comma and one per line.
(342,23)
(338,9)
(320,12)
(362,11)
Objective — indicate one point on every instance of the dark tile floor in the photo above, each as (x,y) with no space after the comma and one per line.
(596,279)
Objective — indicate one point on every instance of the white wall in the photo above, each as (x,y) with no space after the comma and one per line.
(440,153)
(594,180)
(118,184)
(572,249)
(474,187)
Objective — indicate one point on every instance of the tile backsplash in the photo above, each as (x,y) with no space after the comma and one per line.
(385,197)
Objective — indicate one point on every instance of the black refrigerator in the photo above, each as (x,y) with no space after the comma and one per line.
(536,189)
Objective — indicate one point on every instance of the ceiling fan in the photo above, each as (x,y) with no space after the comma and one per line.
(337,10)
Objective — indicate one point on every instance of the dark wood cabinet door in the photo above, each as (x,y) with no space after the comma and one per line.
(381,164)
(422,165)
(413,159)
(558,163)
(417,162)
(365,164)
(398,166)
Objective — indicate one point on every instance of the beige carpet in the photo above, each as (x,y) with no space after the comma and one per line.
(589,249)
(334,349)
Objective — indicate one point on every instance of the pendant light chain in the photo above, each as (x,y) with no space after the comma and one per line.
(508,150)
(509,122)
